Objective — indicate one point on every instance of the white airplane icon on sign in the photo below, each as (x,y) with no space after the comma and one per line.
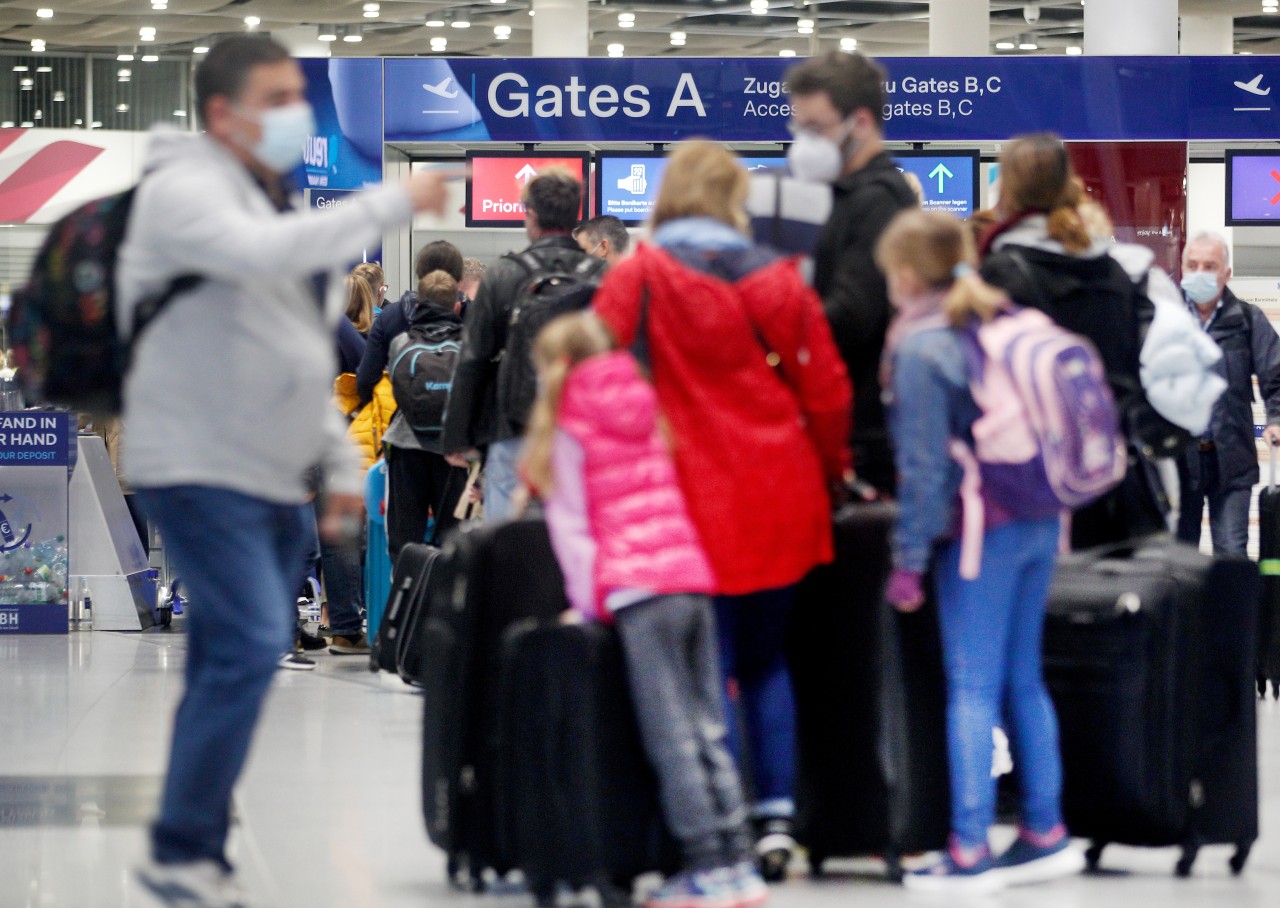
(1254,87)
(442,89)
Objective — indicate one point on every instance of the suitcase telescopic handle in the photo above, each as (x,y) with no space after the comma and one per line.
(1271,484)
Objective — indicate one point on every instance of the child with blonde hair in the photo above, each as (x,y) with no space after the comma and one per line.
(621,531)
(991,624)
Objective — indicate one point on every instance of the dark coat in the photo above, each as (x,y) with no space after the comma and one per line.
(856,300)
(1249,347)
(477,415)
(391,322)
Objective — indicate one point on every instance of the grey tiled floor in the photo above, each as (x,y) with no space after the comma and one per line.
(328,807)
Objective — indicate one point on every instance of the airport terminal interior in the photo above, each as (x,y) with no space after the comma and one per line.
(1166,104)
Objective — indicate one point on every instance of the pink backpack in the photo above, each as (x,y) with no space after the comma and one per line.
(1048,438)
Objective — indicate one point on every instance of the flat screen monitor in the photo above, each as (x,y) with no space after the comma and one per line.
(497,179)
(948,179)
(758,161)
(1253,188)
(627,184)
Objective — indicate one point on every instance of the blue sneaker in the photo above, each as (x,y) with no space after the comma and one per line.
(954,873)
(1039,858)
(749,885)
(702,889)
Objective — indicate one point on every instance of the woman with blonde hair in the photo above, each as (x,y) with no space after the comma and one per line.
(359,304)
(990,625)
(372,274)
(759,406)
(1052,251)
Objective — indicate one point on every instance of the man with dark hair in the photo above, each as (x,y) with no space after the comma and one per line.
(479,414)
(227,413)
(837,102)
(604,237)
(393,320)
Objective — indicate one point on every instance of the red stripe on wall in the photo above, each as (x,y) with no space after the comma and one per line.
(31,186)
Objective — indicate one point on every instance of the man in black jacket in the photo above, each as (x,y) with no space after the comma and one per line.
(1224,466)
(837,102)
(478,415)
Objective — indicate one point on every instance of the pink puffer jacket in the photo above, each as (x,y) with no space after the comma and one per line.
(644,537)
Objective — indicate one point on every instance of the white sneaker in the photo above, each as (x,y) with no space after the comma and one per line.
(194,884)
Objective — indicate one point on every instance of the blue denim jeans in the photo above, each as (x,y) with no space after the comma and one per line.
(343,581)
(991,638)
(753,632)
(1228,508)
(501,478)
(242,560)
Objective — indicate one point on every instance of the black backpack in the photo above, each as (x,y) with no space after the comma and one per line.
(550,290)
(422,376)
(62,325)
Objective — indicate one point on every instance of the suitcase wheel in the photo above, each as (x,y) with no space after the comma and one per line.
(817,865)
(1187,861)
(1093,855)
(893,865)
(614,896)
(544,892)
(478,884)
(1239,859)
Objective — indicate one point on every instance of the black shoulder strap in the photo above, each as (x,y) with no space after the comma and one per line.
(147,310)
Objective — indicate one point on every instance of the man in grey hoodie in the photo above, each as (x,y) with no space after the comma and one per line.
(227,410)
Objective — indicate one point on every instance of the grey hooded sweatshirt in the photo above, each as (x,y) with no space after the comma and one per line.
(230,386)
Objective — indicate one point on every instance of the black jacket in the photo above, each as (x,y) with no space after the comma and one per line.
(1249,347)
(855,298)
(476,415)
(350,347)
(434,325)
(391,322)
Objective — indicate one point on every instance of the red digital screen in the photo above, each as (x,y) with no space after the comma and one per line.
(497,179)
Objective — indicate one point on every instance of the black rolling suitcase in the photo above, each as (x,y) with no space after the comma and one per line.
(870,706)
(1149,660)
(398,647)
(501,573)
(580,803)
(1268,668)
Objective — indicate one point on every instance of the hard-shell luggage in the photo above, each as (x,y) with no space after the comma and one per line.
(1149,660)
(502,573)
(1268,667)
(580,802)
(397,648)
(377,560)
(870,706)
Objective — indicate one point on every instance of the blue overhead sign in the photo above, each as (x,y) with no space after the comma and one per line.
(928,99)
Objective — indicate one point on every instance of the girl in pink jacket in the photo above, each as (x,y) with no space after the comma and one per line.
(630,555)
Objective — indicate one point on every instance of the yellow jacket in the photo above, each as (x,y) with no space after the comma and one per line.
(370,423)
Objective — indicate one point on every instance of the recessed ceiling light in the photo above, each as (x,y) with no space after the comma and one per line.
(27,124)
(59,96)
(372,7)
(150,58)
(123,74)
(1027,45)
(615,50)
(786,53)
(44,69)
(805,23)
(327,33)
(26,84)
(502,32)
(39,115)
(20,68)
(8,124)
(252,21)
(353,38)
(848,44)
(122,108)
(1074,50)
(179,113)
(44,13)
(460,23)
(1005,45)
(435,23)
(124,58)
(200,49)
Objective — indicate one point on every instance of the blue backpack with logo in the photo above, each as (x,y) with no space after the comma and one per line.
(422,375)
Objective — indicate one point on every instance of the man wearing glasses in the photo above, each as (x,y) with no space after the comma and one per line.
(837,101)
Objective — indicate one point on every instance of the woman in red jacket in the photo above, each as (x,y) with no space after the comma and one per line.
(759,406)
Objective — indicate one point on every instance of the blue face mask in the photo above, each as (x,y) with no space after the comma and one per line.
(284,133)
(1200,286)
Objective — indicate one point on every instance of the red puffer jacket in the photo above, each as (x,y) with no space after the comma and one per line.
(754,445)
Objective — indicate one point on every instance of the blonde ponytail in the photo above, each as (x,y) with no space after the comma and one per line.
(561,345)
(971,297)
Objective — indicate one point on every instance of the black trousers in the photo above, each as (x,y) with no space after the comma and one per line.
(420,484)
